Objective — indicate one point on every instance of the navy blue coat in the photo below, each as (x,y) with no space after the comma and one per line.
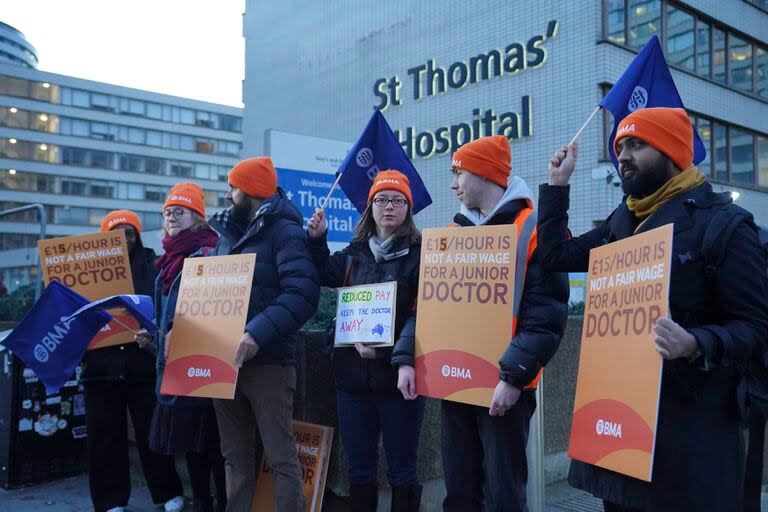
(351,372)
(699,456)
(285,289)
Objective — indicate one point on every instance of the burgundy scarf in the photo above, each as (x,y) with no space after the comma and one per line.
(179,247)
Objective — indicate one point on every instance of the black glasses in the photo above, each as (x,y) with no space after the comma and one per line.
(175,213)
(382,202)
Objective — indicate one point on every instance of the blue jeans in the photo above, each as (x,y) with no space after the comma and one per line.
(362,418)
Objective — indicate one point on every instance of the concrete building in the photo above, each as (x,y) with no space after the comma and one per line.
(444,72)
(82,148)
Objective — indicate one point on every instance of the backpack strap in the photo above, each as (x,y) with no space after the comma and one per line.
(719,230)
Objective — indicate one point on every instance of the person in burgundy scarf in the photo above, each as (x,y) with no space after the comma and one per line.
(184,425)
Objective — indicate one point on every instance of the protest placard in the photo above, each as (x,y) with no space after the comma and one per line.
(465,311)
(619,381)
(313,444)
(366,314)
(208,323)
(96,266)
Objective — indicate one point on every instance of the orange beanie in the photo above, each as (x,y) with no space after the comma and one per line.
(667,129)
(391,180)
(255,176)
(488,157)
(188,195)
(118,217)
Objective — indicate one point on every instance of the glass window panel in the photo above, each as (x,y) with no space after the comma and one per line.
(203,119)
(73,156)
(186,143)
(66,126)
(73,187)
(740,63)
(154,110)
(233,124)
(742,154)
(205,146)
(705,134)
(81,128)
(761,70)
(203,171)
(154,138)
(155,166)
(13,117)
(12,86)
(721,152)
(154,193)
(102,189)
(71,215)
(718,55)
(80,99)
(131,163)
(680,38)
(101,159)
(66,96)
(186,116)
(182,169)
(44,91)
(762,161)
(644,21)
(100,102)
(135,135)
(135,191)
(136,107)
(95,216)
(103,131)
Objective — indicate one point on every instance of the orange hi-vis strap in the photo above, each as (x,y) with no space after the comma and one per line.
(526,245)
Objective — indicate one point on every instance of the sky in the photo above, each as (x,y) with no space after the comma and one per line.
(189,48)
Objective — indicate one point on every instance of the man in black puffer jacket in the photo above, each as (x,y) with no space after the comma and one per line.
(484,459)
(718,320)
(284,294)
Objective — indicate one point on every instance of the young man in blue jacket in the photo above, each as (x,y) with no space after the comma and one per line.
(284,295)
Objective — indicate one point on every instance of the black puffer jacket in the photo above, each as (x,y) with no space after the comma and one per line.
(699,453)
(285,291)
(543,310)
(353,373)
(127,362)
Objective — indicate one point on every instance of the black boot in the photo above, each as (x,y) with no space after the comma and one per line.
(406,499)
(363,498)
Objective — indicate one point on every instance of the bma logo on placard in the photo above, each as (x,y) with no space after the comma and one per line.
(457,373)
(608,428)
(638,99)
(199,372)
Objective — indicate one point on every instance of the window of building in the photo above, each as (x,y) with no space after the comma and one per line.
(186,143)
(102,189)
(154,138)
(80,128)
(204,119)
(12,86)
(155,166)
(704,128)
(702,48)
(615,19)
(718,55)
(740,63)
(13,117)
(154,111)
(101,102)
(103,131)
(721,152)
(761,71)
(182,169)
(101,159)
(203,171)
(742,156)
(131,163)
(73,156)
(230,123)
(80,99)
(205,146)
(762,160)
(186,116)
(644,21)
(154,193)
(680,40)
(73,187)
(44,91)
(71,215)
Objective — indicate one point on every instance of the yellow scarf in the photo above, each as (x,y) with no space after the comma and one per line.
(644,207)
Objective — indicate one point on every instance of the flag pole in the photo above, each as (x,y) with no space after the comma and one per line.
(328,197)
(589,119)
(114,318)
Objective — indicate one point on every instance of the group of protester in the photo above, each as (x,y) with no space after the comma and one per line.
(715,330)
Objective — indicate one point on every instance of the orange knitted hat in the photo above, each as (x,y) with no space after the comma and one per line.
(667,129)
(488,157)
(188,195)
(255,176)
(391,180)
(118,217)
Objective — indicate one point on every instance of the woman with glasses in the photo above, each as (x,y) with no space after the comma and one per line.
(375,386)
(184,425)
(120,380)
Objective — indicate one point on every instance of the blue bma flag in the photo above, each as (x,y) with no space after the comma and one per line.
(376,150)
(49,340)
(647,82)
(140,307)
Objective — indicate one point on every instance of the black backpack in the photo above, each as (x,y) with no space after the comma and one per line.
(752,393)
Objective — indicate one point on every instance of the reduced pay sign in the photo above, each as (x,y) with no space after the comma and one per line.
(366,314)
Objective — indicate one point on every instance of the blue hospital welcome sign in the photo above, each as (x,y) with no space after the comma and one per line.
(308,189)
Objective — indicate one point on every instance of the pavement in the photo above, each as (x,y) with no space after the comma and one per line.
(72,495)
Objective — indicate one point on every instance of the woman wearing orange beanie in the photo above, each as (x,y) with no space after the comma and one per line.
(183,425)
(120,380)
(386,247)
